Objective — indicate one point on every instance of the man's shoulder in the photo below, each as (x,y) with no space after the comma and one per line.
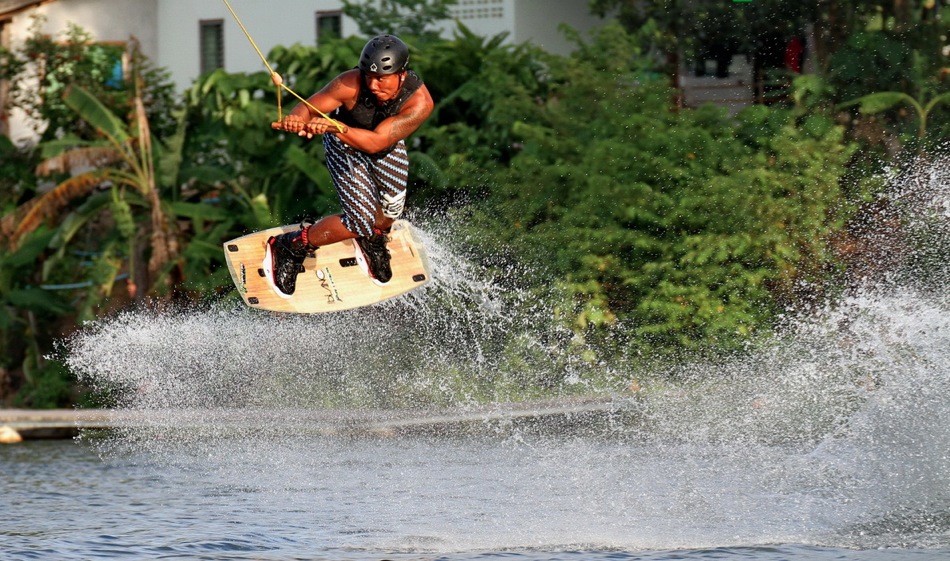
(346,85)
(349,77)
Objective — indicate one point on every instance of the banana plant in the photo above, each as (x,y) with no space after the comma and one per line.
(122,161)
(882,101)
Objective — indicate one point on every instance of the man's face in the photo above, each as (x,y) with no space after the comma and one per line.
(384,86)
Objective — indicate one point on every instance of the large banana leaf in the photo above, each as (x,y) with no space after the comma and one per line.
(305,163)
(36,299)
(198,211)
(76,220)
(169,164)
(882,101)
(96,114)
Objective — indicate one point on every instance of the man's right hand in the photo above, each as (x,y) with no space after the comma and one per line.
(292,124)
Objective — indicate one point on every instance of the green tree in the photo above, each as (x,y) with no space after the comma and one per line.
(743,22)
(691,228)
(697,27)
(483,88)
(62,249)
(413,18)
(124,163)
(17,181)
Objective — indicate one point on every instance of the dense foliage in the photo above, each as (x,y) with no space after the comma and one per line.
(690,225)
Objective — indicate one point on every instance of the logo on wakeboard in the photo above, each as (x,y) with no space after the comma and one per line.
(326,283)
(243,278)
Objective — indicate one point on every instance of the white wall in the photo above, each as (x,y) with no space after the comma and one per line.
(537,22)
(270,23)
(534,21)
(295,22)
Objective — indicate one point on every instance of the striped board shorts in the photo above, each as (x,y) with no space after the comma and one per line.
(367,183)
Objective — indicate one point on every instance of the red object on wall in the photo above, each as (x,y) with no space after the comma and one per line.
(794,51)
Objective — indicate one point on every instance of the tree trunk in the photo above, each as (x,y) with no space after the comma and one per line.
(831,30)
(903,15)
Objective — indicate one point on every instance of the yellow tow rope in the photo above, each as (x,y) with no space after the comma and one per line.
(278,81)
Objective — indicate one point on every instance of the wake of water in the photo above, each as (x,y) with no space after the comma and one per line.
(837,431)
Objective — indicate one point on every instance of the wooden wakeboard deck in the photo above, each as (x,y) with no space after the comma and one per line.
(332,280)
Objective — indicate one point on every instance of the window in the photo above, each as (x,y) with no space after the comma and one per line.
(212,45)
(479,9)
(329,24)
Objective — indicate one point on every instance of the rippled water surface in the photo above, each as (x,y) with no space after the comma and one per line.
(830,441)
(370,498)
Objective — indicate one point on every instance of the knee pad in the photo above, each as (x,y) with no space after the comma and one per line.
(393,205)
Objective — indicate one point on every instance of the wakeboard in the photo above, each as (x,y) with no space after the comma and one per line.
(334,278)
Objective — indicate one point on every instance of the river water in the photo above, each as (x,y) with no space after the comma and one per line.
(479,498)
(829,441)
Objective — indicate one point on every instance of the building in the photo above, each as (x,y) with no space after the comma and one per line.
(189,37)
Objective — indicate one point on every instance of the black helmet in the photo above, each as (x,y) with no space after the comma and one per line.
(384,54)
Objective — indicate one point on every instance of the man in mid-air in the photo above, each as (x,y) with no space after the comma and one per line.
(374,107)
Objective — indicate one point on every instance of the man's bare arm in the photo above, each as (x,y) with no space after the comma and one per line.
(410,119)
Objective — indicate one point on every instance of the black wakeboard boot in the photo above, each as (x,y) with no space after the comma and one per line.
(283,260)
(377,256)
